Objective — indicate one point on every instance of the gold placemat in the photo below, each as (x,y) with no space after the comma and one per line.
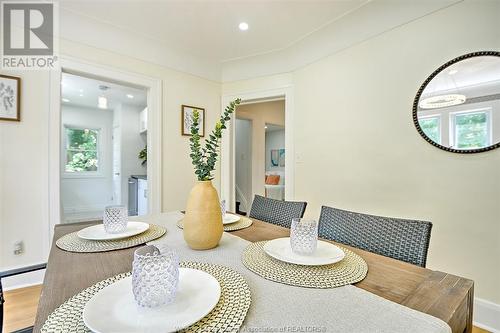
(350,270)
(72,243)
(243,222)
(227,316)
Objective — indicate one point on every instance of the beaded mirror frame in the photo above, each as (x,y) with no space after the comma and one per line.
(424,85)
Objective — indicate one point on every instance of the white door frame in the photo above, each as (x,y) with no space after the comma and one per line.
(228,174)
(116,164)
(154,142)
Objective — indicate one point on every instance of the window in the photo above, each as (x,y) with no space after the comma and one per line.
(82,150)
(471,129)
(431,126)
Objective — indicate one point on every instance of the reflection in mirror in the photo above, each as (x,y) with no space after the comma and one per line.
(459,108)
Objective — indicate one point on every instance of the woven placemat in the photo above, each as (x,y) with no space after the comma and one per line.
(350,270)
(72,243)
(243,222)
(227,316)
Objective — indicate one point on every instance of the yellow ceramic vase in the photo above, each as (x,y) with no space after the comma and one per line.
(203,220)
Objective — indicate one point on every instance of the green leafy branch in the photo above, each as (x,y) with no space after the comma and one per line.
(205,158)
(143,155)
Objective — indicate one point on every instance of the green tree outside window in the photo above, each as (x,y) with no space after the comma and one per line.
(82,150)
(471,130)
(431,128)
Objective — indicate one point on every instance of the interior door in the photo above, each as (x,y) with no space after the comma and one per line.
(117,167)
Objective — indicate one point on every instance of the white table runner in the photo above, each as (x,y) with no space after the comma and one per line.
(280,308)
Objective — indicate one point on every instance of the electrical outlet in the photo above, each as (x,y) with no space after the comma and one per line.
(18,248)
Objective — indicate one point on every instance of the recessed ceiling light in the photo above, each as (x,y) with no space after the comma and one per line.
(65,100)
(453,71)
(81,95)
(243,26)
(130,96)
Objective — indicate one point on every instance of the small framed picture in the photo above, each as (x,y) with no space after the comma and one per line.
(10,98)
(275,157)
(282,157)
(187,120)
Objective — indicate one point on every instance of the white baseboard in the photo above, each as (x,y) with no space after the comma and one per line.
(487,315)
(82,214)
(83,209)
(23,280)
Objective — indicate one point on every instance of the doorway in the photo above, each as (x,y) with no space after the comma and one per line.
(259,142)
(275,161)
(101,140)
(228,153)
(153,86)
(243,165)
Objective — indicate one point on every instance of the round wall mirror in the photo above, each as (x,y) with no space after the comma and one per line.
(457,108)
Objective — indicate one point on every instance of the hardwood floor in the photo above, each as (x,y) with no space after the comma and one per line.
(20,309)
(479,330)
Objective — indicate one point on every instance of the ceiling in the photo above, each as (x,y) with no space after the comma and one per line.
(274,128)
(83,91)
(201,37)
(210,28)
(477,76)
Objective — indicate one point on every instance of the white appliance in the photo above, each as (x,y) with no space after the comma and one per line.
(142,197)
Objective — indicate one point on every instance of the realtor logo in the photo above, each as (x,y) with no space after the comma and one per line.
(28,35)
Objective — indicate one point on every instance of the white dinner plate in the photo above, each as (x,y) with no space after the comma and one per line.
(325,254)
(230,218)
(97,232)
(113,309)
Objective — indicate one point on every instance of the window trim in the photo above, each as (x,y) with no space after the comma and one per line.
(453,128)
(82,174)
(440,124)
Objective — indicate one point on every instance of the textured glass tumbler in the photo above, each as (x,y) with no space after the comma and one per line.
(304,236)
(155,275)
(223,208)
(115,219)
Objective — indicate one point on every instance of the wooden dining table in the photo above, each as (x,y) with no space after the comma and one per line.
(442,295)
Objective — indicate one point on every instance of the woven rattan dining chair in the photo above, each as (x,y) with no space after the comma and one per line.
(276,211)
(14,272)
(406,240)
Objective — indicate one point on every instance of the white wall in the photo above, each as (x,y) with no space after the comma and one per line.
(368,157)
(88,193)
(274,140)
(243,163)
(24,148)
(24,174)
(131,142)
(356,147)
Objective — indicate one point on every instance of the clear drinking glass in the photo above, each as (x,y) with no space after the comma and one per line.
(304,236)
(115,219)
(223,208)
(155,275)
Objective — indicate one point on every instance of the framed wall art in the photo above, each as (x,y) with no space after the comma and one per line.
(187,120)
(10,98)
